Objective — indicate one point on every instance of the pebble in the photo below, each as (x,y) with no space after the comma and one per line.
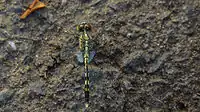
(63,2)
(12,44)
(129,35)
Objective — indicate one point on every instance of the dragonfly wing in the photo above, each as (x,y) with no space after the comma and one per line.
(79,57)
(92,54)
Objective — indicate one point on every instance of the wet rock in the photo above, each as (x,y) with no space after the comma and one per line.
(6,95)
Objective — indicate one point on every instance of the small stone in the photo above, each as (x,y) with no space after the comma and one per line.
(129,35)
(133,35)
(12,45)
(63,2)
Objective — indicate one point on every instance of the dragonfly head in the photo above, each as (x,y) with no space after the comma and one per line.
(84,26)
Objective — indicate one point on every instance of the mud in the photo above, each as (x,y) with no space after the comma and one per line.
(147,56)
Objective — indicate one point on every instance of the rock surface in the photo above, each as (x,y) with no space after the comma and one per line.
(147,56)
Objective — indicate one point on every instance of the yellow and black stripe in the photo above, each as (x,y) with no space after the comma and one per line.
(86,58)
(84,46)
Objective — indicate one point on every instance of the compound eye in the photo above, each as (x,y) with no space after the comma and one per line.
(88,27)
(83,23)
(81,27)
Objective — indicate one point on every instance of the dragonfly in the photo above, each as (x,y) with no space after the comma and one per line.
(85,56)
